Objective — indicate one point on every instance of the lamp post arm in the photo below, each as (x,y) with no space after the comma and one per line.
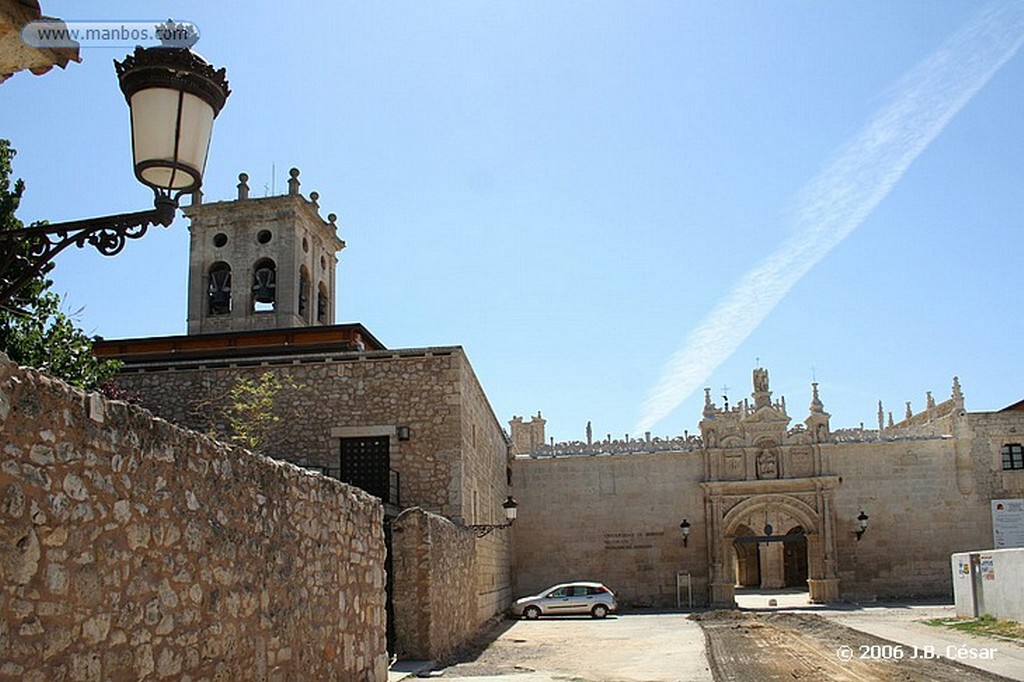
(108,234)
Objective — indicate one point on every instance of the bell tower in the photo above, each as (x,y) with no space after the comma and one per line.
(261,263)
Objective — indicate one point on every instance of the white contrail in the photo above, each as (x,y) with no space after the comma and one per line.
(834,203)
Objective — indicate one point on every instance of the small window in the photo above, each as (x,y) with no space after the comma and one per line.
(220,239)
(264,236)
(1013,456)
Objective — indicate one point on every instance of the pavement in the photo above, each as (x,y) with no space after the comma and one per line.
(898,622)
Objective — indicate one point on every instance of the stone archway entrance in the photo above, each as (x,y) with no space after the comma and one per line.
(770,563)
(790,522)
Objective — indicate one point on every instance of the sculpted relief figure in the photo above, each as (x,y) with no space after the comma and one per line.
(767,463)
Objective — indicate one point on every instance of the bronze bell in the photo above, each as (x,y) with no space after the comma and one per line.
(220,292)
(264,285)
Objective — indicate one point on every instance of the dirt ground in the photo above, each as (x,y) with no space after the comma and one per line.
(720,645)
(796,646)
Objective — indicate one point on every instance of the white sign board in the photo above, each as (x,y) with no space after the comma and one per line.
(1008,523)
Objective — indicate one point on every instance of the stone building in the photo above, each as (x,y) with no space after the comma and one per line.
(769,503)
(412,427)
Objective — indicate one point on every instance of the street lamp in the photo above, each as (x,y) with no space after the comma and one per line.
(862,524)
(173,95)
(510,506)
(685,527)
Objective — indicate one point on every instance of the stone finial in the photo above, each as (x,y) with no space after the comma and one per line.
(930,400)
(332,219)
(314,197)
(293,181)
(590,435)
(958,396)
(817,407)
(243,186)
(891,422)
(909,413)
(881,417)
(709,407)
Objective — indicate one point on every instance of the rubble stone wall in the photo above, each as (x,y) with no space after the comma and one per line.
(434,576)
(455,462)
(321,399)
(133,549)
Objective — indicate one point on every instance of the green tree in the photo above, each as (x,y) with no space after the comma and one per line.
(34,331)
(251,410)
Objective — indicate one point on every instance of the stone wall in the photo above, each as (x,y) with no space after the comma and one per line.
(132,549)
(918,517)
(455,462)
(613,519)
(487,483)
(434,576)
(325,398)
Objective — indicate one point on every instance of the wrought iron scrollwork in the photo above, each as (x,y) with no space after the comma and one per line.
(108,235)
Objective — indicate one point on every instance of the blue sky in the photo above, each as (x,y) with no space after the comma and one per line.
(568,190)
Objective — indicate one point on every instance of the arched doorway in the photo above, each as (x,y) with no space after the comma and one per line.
(788,535)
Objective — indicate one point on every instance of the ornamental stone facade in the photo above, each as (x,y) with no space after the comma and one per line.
(770,503)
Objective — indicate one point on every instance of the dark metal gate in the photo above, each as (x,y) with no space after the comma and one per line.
(366,464)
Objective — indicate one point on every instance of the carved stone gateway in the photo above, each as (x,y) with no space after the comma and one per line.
(788,507)
(768,497)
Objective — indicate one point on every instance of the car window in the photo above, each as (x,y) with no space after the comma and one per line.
(579,591)
(560,592)
(595,590)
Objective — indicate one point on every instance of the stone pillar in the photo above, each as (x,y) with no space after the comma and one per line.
(721,571)
(822,588)
(773,576)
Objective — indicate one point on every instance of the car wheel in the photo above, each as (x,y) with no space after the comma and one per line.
(599,611)
(531,613)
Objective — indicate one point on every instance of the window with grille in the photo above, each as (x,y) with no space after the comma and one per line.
(1013,456)
(366,464)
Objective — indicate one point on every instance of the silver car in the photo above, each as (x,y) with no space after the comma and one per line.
(568,598)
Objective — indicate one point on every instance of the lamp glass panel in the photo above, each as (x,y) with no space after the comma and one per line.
(154,123)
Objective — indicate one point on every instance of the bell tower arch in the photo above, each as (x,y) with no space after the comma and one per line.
(266,263)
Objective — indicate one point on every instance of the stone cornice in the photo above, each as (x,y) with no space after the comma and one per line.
(771,486)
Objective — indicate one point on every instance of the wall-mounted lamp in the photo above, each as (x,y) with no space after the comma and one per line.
(403,433)
(173,96)
(510,506)
(862,523)
(685,527)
